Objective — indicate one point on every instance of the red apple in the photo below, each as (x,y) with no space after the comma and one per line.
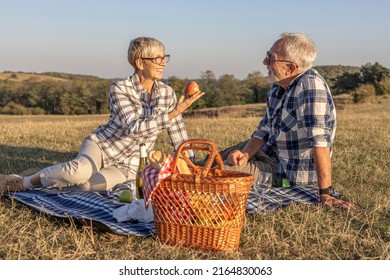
(191,88)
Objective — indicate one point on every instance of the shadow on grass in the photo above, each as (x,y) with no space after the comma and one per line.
(16,159)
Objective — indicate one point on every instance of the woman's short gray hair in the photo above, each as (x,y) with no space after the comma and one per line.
(143,47)
(298,48)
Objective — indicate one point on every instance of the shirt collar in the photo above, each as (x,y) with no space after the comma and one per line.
(138,86)
(297,78)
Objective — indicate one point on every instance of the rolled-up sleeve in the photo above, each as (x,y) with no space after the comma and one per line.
(316,112)
(263,129)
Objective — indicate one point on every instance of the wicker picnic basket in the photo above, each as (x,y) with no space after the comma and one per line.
(204,209)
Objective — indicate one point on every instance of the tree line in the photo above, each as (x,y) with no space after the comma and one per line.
(69,94)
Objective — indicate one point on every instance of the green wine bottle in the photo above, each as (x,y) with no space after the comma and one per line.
(141,166)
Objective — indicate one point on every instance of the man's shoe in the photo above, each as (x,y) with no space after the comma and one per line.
(11,183)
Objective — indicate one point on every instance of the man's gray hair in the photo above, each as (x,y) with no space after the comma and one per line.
(298,48)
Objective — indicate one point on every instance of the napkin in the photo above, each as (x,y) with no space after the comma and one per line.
(152,176)
(134,212)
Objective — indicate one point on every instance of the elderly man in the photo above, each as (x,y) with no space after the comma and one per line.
(294,140)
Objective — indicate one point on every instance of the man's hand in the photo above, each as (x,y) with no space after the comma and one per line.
(238,158)
(332,203)
(241,158)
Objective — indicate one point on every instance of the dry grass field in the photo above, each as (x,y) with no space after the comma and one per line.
(361,166)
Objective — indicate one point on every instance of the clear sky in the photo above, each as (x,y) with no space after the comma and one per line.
(224,36)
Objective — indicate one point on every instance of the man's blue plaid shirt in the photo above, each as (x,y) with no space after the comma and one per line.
(299,118)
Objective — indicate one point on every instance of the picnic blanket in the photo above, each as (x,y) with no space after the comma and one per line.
(263,197)
(96,207)
(266,198)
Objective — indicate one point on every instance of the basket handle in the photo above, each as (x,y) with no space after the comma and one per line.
(198,145)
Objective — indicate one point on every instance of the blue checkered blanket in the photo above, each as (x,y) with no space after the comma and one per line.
(264,198)
(98,207)
(83,206)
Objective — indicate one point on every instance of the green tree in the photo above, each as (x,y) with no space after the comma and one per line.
(8,90)
(51,96)
(384,86)
(86,101)
(177,84)
(13,108)
(258,87)
(101,91)
(374,74)
(332,72)
(229,91)
(208,84)
(347,82)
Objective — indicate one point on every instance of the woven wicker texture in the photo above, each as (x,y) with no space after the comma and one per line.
(205,209)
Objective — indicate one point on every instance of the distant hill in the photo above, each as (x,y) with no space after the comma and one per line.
(66,93)
(52,93)
(23,76)
(329,72)
(74,76)
(46,76)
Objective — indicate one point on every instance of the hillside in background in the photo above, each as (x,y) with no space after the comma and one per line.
(25,77)
(46,76)
(329,72)
(72,94)
(24,93)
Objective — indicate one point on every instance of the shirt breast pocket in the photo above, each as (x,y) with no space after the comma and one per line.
(289,121)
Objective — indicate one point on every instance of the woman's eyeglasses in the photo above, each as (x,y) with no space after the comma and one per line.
(158,60)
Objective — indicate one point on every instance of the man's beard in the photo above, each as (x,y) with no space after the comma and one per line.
(271,77)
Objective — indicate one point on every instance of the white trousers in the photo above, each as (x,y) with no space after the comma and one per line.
(85,172)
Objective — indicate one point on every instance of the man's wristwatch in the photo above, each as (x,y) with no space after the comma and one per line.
(329,190)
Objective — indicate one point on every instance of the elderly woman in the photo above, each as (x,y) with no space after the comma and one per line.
(141,107)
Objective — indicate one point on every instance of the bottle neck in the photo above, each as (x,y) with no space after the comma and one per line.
(142,151)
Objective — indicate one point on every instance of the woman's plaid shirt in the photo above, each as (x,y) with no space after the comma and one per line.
(134,120)
(299,118)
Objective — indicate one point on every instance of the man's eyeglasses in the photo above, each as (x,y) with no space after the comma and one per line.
(268,59)
(158,60)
